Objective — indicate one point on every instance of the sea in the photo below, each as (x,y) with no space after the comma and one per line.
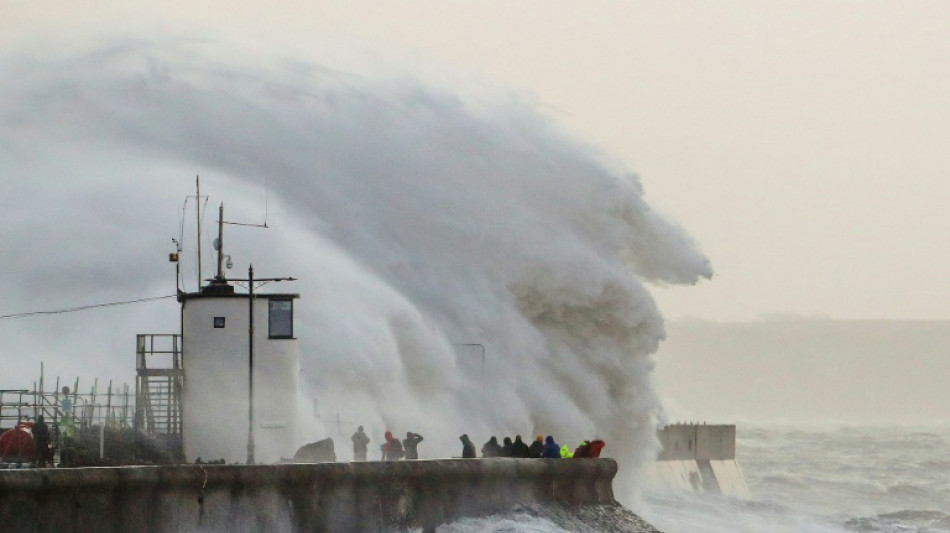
(827,479)
(803,479)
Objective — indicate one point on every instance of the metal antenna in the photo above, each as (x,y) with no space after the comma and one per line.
(220,245)
(198,218)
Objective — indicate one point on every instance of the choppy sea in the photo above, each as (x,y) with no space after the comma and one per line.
(841,479)
(828,479)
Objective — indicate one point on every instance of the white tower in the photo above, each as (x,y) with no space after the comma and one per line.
(220,368)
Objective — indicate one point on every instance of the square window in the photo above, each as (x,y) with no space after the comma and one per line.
(219,321)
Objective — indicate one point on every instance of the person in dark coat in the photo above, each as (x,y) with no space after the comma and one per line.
(551,449)
(506,450)
(583,450)
(360,440)
(41,440)
(468,449)
(536,449)
(519,448)
(410,444)
(491,448)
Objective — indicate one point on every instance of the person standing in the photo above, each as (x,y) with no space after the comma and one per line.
(519,448)
(536,450)
(41,441)
(506,450)
(360,441)
(468,448)
(411,445)
(392,450)
(551,449)
(491,448)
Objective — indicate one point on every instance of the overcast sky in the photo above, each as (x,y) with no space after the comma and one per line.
(802,144)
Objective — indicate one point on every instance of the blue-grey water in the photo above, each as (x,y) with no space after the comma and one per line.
(824,479)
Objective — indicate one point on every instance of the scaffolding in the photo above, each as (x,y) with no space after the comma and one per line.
(159,381)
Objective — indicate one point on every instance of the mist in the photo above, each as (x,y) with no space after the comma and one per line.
(806,371)
(428,227)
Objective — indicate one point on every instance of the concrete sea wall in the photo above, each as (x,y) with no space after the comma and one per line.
(336,497)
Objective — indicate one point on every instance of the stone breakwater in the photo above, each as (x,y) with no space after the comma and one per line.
(373,496)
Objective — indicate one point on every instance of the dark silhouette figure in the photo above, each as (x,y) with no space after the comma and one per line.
(536,450)
(491,448)
(360,441)
(519,448)
(41,440)
(468,449)
(506,448)
(583,450)
(392,450)
(411,444)
(551,449)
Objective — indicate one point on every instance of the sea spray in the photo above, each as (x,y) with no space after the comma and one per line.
(427,227)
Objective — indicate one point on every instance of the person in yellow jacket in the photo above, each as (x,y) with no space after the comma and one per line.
(566,452)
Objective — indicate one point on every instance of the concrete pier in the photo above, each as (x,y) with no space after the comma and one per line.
(698,458)
(337,497)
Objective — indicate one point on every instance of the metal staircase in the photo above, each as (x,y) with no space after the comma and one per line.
(159,381)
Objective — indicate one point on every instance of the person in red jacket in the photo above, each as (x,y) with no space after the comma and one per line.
(392,449)
(595,447)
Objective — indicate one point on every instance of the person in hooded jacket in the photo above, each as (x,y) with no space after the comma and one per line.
(566,452)
(468,448)
(536,450)
(506,448)
(519,448)
(595,447)
(411,445)
(583,450)
(360,441)
(551,449)
(392,450)
(491,448)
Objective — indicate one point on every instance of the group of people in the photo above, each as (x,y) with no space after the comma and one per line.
(392,449)
(541,448)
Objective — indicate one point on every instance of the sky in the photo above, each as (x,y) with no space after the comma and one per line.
(801,144)
(800,147)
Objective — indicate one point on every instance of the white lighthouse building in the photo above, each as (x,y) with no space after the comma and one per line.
(226,386)
(223,371)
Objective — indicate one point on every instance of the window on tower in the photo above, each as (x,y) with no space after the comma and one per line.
(280,319)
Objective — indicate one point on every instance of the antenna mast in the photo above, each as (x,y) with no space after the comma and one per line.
(198,217)
(220,243)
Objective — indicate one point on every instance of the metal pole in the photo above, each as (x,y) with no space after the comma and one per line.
(220,240)
(250,365)
(198,217)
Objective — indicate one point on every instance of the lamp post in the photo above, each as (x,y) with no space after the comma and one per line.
(250,350)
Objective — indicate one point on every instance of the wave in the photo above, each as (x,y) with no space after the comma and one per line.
(554,518)
(419,221)
(916,521)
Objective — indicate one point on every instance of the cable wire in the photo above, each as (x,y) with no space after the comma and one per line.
(85,307)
